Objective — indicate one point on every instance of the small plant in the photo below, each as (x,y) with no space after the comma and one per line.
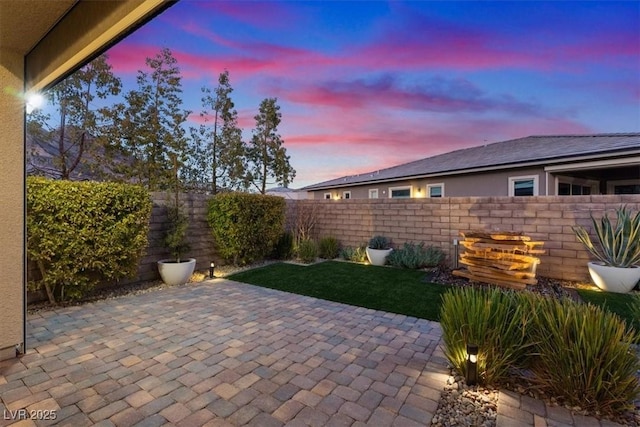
(379,242)
(618,246)
(283,248)
(358,254)
(584,355)
(416,256)
(495,320)
(308,251)
(329,247)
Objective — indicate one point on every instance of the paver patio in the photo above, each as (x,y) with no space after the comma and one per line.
(224,353)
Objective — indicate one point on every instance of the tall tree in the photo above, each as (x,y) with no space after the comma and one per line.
(218,153)
(267,157)
(76,129)
(148,126)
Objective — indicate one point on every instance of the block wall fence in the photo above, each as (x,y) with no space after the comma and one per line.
(438,221)
(433,221)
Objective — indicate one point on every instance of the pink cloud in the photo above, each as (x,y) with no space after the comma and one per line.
(433,94)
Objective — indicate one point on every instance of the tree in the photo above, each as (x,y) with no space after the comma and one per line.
(218,154)
(77,132)
(148,126)
(267,156)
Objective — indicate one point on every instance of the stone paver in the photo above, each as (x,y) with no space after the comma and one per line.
(221,353)
(224,353)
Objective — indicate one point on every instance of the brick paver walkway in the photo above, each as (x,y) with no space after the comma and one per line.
(223,353)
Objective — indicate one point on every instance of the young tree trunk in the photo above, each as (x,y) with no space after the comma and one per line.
(43,272)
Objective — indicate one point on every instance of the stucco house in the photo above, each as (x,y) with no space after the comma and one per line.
(287,193)
(552,165)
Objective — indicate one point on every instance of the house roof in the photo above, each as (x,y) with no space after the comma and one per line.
(537,149)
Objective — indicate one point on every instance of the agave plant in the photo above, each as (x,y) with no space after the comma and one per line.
(618,246)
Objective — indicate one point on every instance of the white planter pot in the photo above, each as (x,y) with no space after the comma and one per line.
(176,273)
(378,256)
(614,279)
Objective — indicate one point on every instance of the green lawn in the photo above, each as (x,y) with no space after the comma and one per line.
(617,303)
(381,288)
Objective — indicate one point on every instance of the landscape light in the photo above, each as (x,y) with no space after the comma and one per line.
(212,270)
(472,364)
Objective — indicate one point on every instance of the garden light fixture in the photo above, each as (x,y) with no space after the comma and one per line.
(212,270)
(472,364)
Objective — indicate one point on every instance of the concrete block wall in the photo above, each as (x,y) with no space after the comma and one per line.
(439,222)
(198,234)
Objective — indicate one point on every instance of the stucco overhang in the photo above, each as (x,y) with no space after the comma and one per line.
(57,37)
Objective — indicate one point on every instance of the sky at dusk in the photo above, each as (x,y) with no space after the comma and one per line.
(367,85)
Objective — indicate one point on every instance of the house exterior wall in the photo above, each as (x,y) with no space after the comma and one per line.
(12,256)
(439,221)
(481,184)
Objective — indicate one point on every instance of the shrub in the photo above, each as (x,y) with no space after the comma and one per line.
(416,256)
(307,251)
(379,242)
(492,319)
(618,246)
(81,233)
(358,254)
(246,226)
(284,246)
(329,247)
(584,355)
(575,352)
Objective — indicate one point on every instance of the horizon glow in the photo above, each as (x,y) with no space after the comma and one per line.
(367,85)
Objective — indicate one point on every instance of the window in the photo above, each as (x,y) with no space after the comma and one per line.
(628,186)
(373,193)
(400,192)
(576,187)
(435,190)
(523,185)
(327,196)
(346,194)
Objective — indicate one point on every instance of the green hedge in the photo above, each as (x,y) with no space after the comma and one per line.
(81,233)
(246,227)
(575,352)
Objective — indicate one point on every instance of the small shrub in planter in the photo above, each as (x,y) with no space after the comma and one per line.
(379,242)
(416,256)
(378,250)
(358,254)
(307,251)
(329,247)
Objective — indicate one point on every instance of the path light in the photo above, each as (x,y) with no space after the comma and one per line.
(472,364)
(211,270)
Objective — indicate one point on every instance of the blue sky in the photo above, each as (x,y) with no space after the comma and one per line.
(367,85)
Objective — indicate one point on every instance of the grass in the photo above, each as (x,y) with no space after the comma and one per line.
(380,288)
(619,304)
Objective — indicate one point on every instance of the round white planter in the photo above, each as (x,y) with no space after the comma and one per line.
(176,273)
(614,279)
(378,256)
